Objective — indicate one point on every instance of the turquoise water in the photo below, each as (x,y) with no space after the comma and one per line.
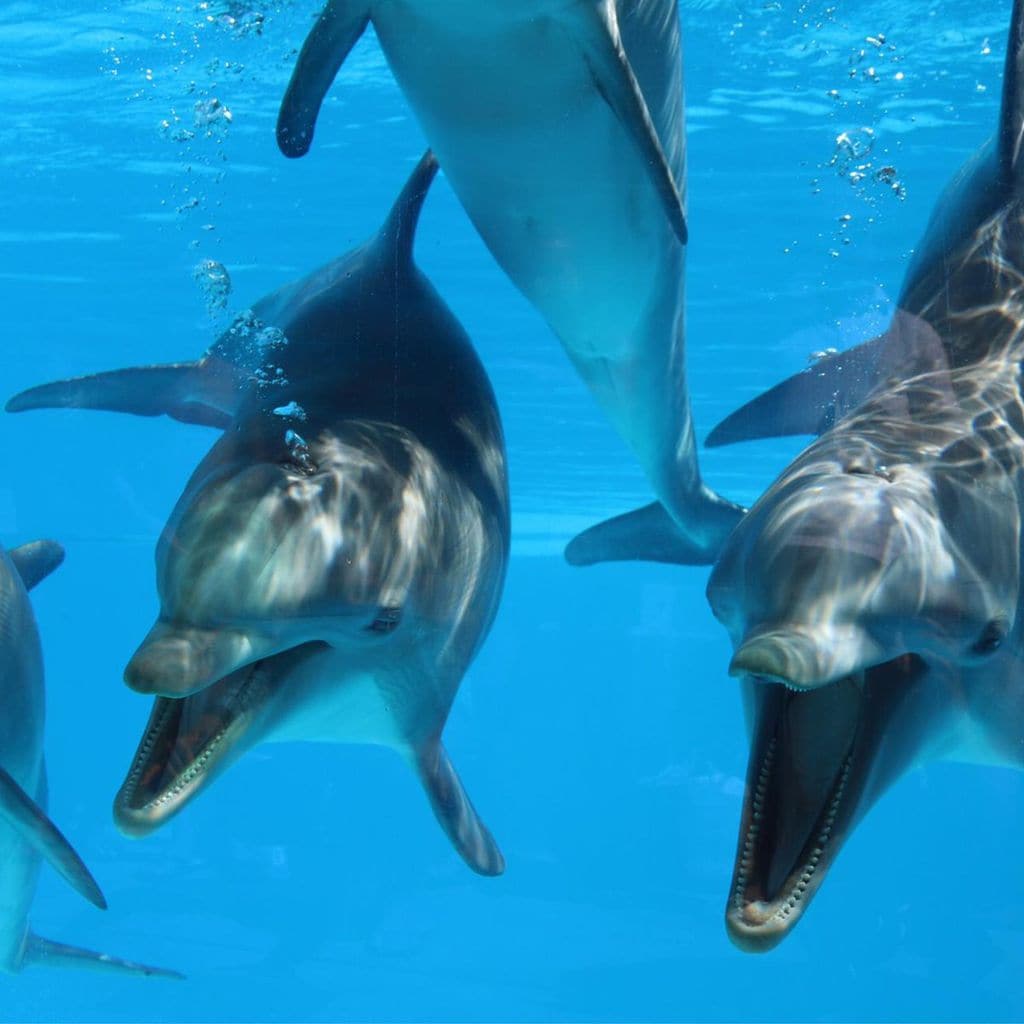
(597,731)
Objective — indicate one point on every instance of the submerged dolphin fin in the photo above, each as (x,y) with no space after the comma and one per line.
(455,813)
(1011,120)
(614,79)
(398,233)
(36,560)
(336,31)
(31,823)
(649,534)
(176,390)
(47,953)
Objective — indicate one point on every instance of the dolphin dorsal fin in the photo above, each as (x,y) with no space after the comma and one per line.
(1011,119)
(398,232)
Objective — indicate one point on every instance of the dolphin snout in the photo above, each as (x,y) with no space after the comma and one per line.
(779,658)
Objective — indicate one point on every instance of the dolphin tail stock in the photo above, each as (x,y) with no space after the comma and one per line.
(329,42)
(650,534)
(47,953)
(599,39)
(36,560)
(36,829)
(176,390)
(455,812)
(1011,119)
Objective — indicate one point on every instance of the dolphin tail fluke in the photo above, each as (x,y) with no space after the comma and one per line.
(650,534)
(35,561)
(175,390)
(29,820)
(1011,121)
(455,813)
(47,953)
(613,76)
(336,31)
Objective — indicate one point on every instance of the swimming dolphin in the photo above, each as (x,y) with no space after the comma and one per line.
(560,126)
(873,594)
(337,558)
(27,836)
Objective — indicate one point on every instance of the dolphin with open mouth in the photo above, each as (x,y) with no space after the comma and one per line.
(560,126)
(337,558)
(873,593)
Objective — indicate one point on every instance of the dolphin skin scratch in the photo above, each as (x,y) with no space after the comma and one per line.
(873,593)
(27,836)
(337,558)
(574,174)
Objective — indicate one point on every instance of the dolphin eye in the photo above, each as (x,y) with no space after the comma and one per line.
(387,621)
(991,639)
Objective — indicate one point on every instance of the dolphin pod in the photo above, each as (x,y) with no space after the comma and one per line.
(27,836)
(873,593)
(332,584)
(574,175)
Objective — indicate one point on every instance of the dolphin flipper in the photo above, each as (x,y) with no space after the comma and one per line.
(175,390)
(336,31)
(47,953)
(647,534)
(455,813)
(35,561)
(32,824)
(615,80)
(1011,119)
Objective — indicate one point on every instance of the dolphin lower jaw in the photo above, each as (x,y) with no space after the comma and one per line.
(186,743)
(804,782)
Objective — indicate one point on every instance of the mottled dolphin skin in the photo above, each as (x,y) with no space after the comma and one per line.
(337,558)
(873,594)
(27,836)
(560,126)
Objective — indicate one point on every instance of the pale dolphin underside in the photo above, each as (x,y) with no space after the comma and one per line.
(337,558)
(560,126)
(27,835)
(873,594)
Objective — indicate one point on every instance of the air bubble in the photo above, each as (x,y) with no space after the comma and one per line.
(215,284)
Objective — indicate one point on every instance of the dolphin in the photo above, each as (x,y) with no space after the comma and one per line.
(337,558)
(27,835)
(873,594)
(560,126)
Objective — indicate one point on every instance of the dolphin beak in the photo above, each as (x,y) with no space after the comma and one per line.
(802,662)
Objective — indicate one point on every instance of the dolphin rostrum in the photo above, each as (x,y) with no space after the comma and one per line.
(560,126)
(27,836)
(337,558)
(873,594)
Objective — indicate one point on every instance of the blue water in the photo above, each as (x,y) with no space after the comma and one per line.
(597,732)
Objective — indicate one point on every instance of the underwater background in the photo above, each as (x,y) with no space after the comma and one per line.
(597,731)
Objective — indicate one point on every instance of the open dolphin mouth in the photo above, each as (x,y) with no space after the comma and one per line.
(189,741)
(812,754)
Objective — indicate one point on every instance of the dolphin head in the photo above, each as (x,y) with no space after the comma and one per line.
(856,592)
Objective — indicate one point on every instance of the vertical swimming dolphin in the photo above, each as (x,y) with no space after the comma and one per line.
(560,126)
(873,594)
(27,836)
(337,558)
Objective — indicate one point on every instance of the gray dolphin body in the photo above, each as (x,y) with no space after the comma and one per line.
(27,836)
(337,558)
(873,593)
(560,126)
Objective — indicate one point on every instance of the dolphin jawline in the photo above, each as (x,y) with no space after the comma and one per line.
(810,761)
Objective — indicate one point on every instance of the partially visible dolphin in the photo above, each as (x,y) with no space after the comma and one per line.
(560,126)
(873,594)
(337,558)
(27,836)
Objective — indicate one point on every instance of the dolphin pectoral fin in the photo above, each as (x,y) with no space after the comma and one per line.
(31,823)
(174,390)
(650,534)
(36,560)
(336,31)
(614,79)
(455,813)
(47,953)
